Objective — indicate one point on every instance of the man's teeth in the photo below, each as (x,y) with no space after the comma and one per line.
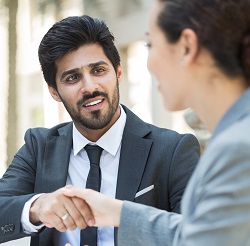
(93,103)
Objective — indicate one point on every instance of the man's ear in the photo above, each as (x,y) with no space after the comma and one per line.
(53,92)
(189,46)
(119,73)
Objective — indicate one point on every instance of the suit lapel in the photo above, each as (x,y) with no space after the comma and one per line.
(133,158)
(134,154)
(56,159)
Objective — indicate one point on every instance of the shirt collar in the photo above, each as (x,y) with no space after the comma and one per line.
(110,141)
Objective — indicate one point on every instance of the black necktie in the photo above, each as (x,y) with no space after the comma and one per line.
(89,235)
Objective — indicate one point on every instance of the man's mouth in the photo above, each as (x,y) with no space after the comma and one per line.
(93,103)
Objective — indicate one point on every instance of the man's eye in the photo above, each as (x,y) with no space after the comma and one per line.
(72,77)
(98,70)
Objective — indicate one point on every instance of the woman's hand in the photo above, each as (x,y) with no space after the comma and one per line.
(106,211)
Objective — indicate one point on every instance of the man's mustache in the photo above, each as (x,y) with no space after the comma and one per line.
(89,96)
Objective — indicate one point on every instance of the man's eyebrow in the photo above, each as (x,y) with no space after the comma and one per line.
(96,64)
(67,72)
(75,70)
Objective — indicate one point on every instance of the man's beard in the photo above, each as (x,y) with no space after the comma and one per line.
(97,119)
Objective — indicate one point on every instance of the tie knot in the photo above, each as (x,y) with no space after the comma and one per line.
(94,153)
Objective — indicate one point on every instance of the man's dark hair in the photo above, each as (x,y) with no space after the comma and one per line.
(68,35)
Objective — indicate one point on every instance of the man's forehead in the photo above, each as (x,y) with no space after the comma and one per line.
(84,56)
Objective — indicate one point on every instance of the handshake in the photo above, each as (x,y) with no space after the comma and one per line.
(71,207)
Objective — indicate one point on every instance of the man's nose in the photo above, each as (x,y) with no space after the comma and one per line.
(88,84)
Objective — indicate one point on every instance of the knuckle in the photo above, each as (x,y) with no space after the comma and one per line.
(46,213)
(71,227)
(70,223)
(61,227)
(53,203)
(82,226)
(77,216)
(81,204)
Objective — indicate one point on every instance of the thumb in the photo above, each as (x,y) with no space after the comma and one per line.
(75,192)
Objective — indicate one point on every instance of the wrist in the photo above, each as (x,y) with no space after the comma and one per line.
(117,213)
(34,212)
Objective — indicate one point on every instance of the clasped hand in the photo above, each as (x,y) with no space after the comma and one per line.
(71,207)
(60,211)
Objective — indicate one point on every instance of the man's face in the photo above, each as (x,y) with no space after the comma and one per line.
(87,84)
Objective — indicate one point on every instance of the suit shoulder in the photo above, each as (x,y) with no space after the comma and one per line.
(164,133)
(240,141)
(43,132)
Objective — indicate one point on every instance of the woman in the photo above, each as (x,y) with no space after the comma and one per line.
(199,51)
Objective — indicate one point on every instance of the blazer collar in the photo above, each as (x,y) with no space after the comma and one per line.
(133,158)
(56,157)
(239,110)
(135,125)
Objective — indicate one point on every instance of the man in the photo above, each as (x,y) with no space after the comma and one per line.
(139,162)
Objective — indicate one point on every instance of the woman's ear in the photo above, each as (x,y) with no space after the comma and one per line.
(53,92)
(189,46)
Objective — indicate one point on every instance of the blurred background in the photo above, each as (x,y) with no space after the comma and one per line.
(24,98)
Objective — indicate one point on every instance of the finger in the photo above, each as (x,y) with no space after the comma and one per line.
(84,211)
(75,219)
(54,221)
(48,225)
(82,206)
(65,206)
(53,213)
(68,221)
(72,191)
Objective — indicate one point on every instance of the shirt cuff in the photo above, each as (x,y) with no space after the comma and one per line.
(29,228)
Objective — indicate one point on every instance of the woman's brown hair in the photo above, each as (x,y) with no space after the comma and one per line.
(222,27)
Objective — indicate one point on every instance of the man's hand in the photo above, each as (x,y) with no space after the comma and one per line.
(60,211)
(106,211)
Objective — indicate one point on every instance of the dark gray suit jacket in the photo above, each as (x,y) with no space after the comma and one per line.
(149,156)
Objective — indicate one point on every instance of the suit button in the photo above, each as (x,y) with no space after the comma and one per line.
(8,228)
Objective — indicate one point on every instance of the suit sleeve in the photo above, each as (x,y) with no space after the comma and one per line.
(183,163)
(17,187)
(144,225)
(215,211)
(220,213)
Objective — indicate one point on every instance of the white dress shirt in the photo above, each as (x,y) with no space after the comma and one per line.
(77,176)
